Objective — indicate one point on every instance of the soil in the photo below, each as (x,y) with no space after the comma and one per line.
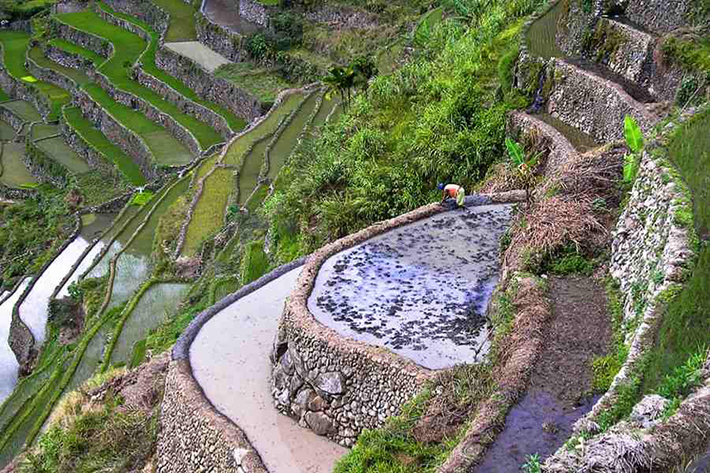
(561,381)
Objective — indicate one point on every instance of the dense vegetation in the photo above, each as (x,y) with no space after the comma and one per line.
(440,118)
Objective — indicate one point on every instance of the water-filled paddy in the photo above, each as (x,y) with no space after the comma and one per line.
(8,363)
(230,360)
(421,290)
(35,308)
(155,306)
(226,13)
(14,172)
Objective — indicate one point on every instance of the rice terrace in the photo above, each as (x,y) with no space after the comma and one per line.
(355,236)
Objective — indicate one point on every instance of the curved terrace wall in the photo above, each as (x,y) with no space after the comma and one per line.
(653,252)
(21,91)
(194,436)
(8,116)
(220,39)
(592,104)
(129,142)
(208,86)
(332,384)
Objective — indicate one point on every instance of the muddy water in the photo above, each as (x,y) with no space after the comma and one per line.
(421,290)
(155,306)
(325,109)
(226,13)
(541,35)
(230,360)
(251,169)
(538,424)
(35,308)
(14,172)
(581,141)
(8,363)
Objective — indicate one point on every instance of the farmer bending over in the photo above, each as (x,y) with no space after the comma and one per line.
(454,192)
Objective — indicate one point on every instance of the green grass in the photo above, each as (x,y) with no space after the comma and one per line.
(128,47)
(95,58)
(76,75)
(25,110)
(14,45)
(182,20)
(263,83)
(255,262)
(686,325)
(208,216)
(235,123)
(98,140)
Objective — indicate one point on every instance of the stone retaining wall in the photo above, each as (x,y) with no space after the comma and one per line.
(50,75)
(129,142)
(220,39)
(147,12)
(44,168)
(651,258)
(592,104)
(86,40)
(21,91)
(12,119)
(255,12)
(93,157)
(208,86)
(194,436)
(660,16)
(561,151)
(331,384)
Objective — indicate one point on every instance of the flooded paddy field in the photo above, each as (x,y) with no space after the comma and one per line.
(422,290)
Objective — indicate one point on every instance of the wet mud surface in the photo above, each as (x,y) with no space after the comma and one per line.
(421,290)
(230,361)
(226,13)
(580,330)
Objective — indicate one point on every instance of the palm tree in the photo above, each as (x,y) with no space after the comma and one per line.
(365,69)
(340,80)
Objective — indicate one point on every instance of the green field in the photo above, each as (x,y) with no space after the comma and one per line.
(24,110)
(78,50)
(13,172)
(235,123)
(128,48)
(60,152)
(130,170)
(14,45)
(263,83)
(76,75)
(182,20)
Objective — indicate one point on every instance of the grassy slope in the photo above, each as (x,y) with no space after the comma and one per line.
(14,46)
(686,325)
(128,48)
(265,84)
(236,123)
(182,20)
(440,118)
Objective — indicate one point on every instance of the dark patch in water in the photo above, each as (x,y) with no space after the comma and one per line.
(538,424)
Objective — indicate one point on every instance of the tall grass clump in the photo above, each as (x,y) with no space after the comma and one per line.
(439,118)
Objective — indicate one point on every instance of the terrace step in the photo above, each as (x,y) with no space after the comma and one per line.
(113,77)
(594,104)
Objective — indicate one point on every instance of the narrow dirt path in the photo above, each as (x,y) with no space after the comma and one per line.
(558,394)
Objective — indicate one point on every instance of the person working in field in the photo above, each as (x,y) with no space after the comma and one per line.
(454,192)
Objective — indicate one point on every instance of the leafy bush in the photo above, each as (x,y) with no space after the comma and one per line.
(436,119)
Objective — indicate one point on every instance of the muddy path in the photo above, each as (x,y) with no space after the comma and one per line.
(561,381)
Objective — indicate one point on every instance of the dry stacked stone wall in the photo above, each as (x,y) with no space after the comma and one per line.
(208,86)
(254,12)
(561,151)
(220,39)
(592,104)
(11,118)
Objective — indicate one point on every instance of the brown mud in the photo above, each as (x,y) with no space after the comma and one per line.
(561,381)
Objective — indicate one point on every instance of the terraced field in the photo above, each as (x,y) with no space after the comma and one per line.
(148,60)
(13,172)
(14,45)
